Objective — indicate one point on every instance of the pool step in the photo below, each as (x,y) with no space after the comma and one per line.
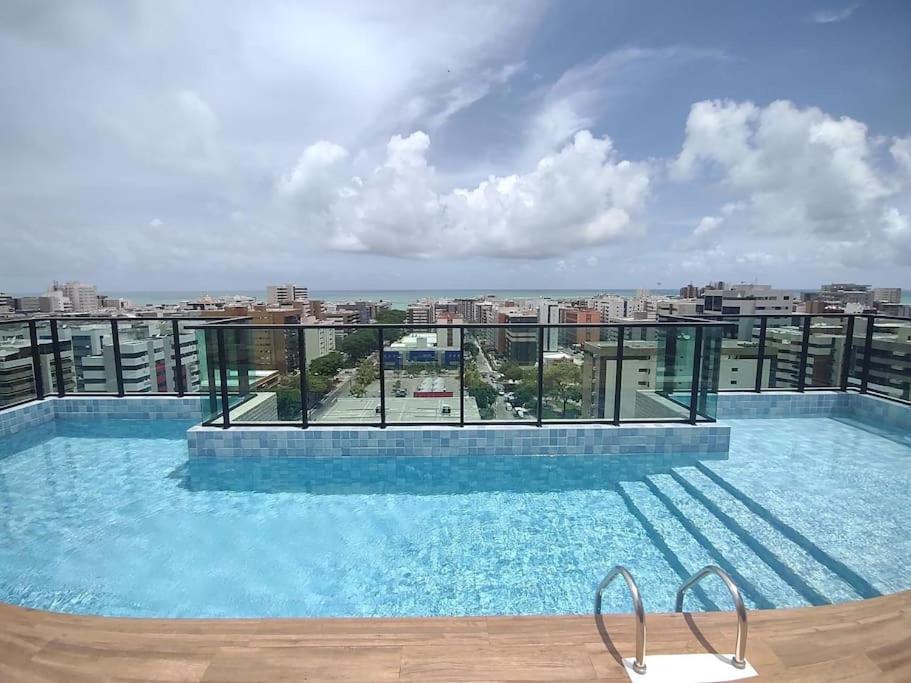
(749,569)
(817,582)
(858,584)
(682,552)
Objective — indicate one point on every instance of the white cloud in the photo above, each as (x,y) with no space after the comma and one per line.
(901,152)
(580,196)
(707,225)
(830,16)
(794,174)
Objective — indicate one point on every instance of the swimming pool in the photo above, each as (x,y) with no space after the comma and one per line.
(110,517)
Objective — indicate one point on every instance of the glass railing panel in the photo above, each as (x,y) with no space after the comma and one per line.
(17,370)
(501,374)
(147,356)
(782,347)
(825,351)
(87,353)
(264,375)
(713,363)
(579,365)
(422,380)
(344,377)
(210,378)
(739,354)
(890,359)
(657,373)
(856,352)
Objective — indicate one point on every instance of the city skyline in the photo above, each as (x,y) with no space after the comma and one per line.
(527,145)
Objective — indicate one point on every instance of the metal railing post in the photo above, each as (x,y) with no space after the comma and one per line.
(178,358)
(804,350)
(58,360)
(223,378)
(868,348)
(618,376)
(302,369)
(847,351)
(697,372)
(540,412)
(382,366)
(37,373)
(760,358)
(118,361)
(461,376)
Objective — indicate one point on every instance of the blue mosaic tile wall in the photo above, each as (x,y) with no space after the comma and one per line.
(782,404)
(863,407)
(16,419)
(879,412)
(131,407)
(447,441)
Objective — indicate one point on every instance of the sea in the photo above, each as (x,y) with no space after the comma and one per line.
(397,298)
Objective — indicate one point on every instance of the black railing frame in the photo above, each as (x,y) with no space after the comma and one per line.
(221,325)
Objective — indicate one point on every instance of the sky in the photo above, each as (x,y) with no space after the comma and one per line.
(167,145)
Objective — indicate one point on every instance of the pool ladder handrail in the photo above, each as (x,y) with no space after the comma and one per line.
(620,570)
(740,644)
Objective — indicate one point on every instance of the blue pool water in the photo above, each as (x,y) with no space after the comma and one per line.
(109,517)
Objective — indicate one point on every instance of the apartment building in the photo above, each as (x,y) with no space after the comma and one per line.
(653,366)
(579,335)
(746,299)
(518,344)
(17,371)
(611,307)
(83,297)
(283,295)
(887,295)
(6,303)
(420,313)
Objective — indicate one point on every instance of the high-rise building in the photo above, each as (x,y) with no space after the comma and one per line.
(519,344)
(17,371)
(690,291)
(745,299)
(610,306)
(83,298)
(283,295)
(54,301)
(6,303)
(887,295)
(579,335)
(420,313)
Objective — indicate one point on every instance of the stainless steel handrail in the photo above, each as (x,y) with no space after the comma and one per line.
(619,570)
(740,644)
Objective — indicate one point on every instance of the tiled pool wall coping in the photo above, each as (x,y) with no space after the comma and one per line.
(470,440)
(447,441)
(37,413)
(772,404)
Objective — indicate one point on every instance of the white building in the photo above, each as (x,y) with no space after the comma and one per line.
(610,306)
(420,313)
(887,295)
(54,301)
(282,295)
(83,297)
(744,299)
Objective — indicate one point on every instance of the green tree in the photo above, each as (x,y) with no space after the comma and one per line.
(513,371)
(562,382)
(526,394)
(327,365)
(288,397)
(358,344)
(367,372)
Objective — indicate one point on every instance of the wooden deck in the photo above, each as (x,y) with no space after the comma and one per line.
(858,641)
